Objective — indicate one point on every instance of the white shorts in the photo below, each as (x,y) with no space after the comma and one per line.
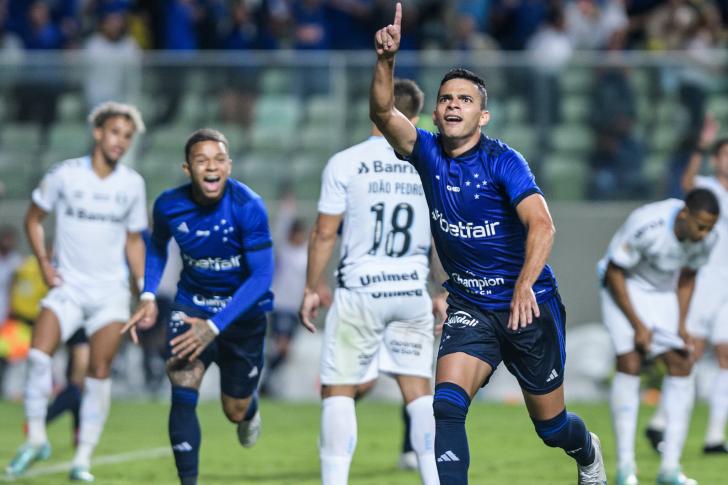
(658,310)
(365,335)
(88,309)
(708,312)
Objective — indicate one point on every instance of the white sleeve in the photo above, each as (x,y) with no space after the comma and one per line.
(630,241)
(137,220)
(333,189)
(48,192)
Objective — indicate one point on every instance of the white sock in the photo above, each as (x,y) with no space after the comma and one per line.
(94,410)
(657,421)
(678,395)
(338,439)
(422,437)
(718,404)
(38,389)
(624,401)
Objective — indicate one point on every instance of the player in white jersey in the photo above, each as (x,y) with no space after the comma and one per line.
(708,316)
(100,210)
(381,319)
(648,276)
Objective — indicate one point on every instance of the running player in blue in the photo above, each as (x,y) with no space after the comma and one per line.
(493,233)
(219,313)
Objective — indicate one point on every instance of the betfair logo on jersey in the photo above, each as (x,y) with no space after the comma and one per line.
(93,216)
(461,319)
(464,230)
(377,166)
(214,264)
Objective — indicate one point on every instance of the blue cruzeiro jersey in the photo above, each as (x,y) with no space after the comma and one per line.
(218,244)
(479,238)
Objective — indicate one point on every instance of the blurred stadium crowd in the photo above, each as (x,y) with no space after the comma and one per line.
(350,24)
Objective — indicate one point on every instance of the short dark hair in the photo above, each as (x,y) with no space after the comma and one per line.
(205,134)
(460,73)
(408,97)
(719,144)
(702,200)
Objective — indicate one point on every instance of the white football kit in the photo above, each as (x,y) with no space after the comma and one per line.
(646,247)
(92,218)
(381,318)
(708,313)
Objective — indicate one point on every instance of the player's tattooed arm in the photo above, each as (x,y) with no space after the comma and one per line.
(190,344)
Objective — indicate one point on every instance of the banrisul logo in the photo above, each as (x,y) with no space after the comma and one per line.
(461,319)
(465,230)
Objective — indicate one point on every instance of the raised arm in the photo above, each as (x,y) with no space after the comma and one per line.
(396,128)
(707,137)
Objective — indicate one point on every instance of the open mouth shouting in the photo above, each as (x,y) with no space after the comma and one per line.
(453,119)
(211,183)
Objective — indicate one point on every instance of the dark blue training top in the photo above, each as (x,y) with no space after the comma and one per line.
(226,252)
(479,238)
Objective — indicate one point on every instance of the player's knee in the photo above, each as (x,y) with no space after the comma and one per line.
(450,403)
(99,370)
(235,410)
(185,374)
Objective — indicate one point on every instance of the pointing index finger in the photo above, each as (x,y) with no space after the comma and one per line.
(398,14)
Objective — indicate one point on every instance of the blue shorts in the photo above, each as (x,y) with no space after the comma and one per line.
(535,355)
(236,351)
(79,337)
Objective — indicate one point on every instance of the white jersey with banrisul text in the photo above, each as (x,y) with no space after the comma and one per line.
(647,248)
(385,235)
(93,216)
(719,256)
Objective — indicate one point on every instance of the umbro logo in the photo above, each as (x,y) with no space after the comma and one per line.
(253,373)
(552,376)
(183,228)
(184,446)
(448,456)
(363,168)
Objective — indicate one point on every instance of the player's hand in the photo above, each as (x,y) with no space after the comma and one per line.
(709,132)
(439,311)
(325,295)
(309,309)
(51,277)
(642,339)
(144,317)
(524,307)
(386,40)
(191,343)
(687,338)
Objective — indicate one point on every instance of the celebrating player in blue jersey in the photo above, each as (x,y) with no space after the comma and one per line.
(493,233)
(221,227)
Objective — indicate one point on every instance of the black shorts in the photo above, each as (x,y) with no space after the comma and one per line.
(236,351)
(283,323)
(535,355)
(78,337)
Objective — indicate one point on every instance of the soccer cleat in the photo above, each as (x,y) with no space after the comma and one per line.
(674,477)
(627,475)
(719,449)
(408,461)
(656,438)
(26,455)
(249,431)
(593,474)
(80,474)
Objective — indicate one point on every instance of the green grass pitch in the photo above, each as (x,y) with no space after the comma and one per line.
(504,447)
